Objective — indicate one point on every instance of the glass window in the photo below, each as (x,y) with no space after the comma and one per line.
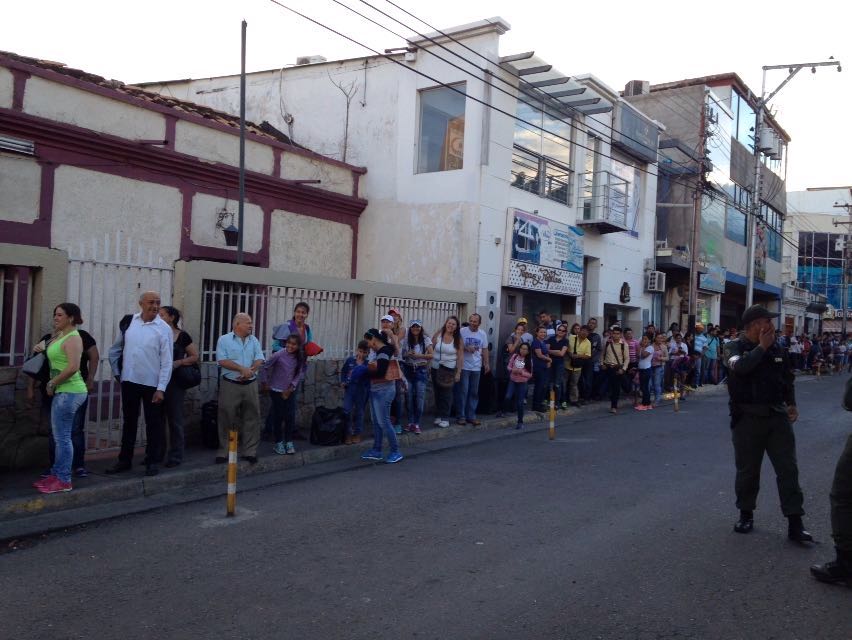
(441,144)
(555,139)
(745,124)
(526,170)
(735,225)
(557,182)
(820,245)
(542,155)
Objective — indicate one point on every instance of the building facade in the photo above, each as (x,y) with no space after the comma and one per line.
(492,174)
(705,194)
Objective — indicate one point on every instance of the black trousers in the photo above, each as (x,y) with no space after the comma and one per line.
(132,396)
(753,436)
(616,380)
(841,501)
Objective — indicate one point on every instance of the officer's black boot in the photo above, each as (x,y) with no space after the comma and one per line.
(838,571)
(796,530)
(746,522)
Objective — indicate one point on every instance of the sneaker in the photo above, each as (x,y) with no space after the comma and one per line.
(279,448)
(416,429)
(54,485)
(289,448)
(81,472)
(443,424)
(37,484)
(564,405)
(372,454)
(500,414)
(520,425)
(394,457)
(437,421)
(410,427)
(397,429)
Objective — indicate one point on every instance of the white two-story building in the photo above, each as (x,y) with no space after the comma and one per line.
(492,174)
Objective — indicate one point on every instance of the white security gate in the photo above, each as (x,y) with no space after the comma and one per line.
(106,278)
(432,313)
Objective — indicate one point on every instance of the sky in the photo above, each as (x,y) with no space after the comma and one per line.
(617,41)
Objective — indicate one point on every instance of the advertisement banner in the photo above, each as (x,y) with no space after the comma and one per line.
(544,255)
(711,253)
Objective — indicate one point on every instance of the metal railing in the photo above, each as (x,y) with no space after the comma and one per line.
(604,198)
(16,294)
(431,313)
(541,175)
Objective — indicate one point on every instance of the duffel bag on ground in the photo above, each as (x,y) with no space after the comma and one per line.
(328,426)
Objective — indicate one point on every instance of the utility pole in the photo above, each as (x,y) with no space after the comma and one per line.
(241,210)
(847,255)
(754,214)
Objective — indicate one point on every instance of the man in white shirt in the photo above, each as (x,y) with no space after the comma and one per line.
(475,358)
(145,349)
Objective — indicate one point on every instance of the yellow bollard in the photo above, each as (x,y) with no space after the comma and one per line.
(551,432)
(676,394)
(232,472)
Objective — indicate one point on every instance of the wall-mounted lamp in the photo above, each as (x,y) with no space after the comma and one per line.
(232,234)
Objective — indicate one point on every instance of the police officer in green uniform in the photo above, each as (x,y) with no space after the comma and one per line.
(839,571)
(763,408)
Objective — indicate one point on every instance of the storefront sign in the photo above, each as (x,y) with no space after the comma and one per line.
(544,255)
(635,135)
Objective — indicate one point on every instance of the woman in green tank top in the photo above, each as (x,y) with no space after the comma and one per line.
(68,390)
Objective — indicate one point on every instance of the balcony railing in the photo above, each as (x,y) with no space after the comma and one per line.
(604,201)
(541,175)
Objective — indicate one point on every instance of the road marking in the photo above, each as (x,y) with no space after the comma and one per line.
(576,440)
(241,515)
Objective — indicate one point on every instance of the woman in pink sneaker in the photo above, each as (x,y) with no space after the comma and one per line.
(68,390)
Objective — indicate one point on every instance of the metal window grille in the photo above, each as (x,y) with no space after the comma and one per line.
(432,313)
(16,289)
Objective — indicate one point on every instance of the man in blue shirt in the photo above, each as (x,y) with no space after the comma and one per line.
(239,356)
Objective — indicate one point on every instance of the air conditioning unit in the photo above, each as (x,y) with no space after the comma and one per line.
(655,281)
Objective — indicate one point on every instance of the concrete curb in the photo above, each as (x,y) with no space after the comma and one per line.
(26,516)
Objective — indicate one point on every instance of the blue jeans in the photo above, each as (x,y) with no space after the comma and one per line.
(657,375)
(63,411)
(78,437)
(557,374)
(519,391)
(354,403)
(699,380)
(381,397)
(469,394)
(416,377)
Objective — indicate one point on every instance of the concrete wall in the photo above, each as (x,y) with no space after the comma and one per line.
(306,245)
(6,88)
(20,187)
(70,105)
(88,203)
(216,146)
(205,210)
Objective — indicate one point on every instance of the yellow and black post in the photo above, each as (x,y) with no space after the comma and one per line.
(677,388)
(232,472)
(551,432)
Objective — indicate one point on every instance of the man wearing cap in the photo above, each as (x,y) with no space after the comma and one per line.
(763,408)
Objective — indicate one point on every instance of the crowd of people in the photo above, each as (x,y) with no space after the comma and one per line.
(156,361)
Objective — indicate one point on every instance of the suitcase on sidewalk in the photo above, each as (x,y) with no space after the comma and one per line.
(210,424)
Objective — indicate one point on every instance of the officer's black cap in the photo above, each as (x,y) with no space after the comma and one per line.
(756,312)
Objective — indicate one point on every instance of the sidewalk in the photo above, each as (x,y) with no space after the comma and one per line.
(24,512)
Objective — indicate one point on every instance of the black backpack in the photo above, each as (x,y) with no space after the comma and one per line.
(328,426)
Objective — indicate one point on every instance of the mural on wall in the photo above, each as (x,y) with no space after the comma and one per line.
(544,255)
(711,253)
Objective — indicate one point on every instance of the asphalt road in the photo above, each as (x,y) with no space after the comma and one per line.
(620,528)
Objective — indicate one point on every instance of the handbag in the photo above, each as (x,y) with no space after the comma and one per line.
(445,377)
(187,377)
(33,366)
